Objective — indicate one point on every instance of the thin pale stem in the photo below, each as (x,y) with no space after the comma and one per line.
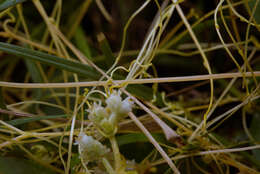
(108,166)
(134,81)
(209,152)
(153,141)
(117,156)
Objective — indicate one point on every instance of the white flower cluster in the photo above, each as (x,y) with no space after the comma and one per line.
(106,119)
(89,148)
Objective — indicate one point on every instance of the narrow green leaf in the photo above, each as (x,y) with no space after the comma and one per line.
(86,71)
(82,43)
(255,131)
(184,35)
(36,76)
(138,137)
(251,158)
(20,121)
(252,5)
(48,59)
(10,165)
(2,103)
(246,154)
(34,71)
(4,4)
(106,49)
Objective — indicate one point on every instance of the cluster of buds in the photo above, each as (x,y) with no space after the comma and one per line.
(90,149)
(106,118)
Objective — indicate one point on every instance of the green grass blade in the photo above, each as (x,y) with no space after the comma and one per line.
(106,50)
(35,75)
(257,12)
(255,132)
(20,121)
(2,105)
(138,137)
(4,4)
(34,71)
(141,91)
(10,165)
(82,43)
(52,60)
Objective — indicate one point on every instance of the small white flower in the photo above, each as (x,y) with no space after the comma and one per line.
(108,127)
(116,105)
(126,106)
(89,148)
(97,113)
(114,101)
(106,119)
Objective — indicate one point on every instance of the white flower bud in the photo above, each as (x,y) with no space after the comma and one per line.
(126,106)
(108,127)
(97,113)
(116,105)
(106,119)
(114,101)
(89,148)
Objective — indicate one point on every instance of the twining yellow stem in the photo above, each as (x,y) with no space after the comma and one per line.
(206,63)
(221,97)
(219,151)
